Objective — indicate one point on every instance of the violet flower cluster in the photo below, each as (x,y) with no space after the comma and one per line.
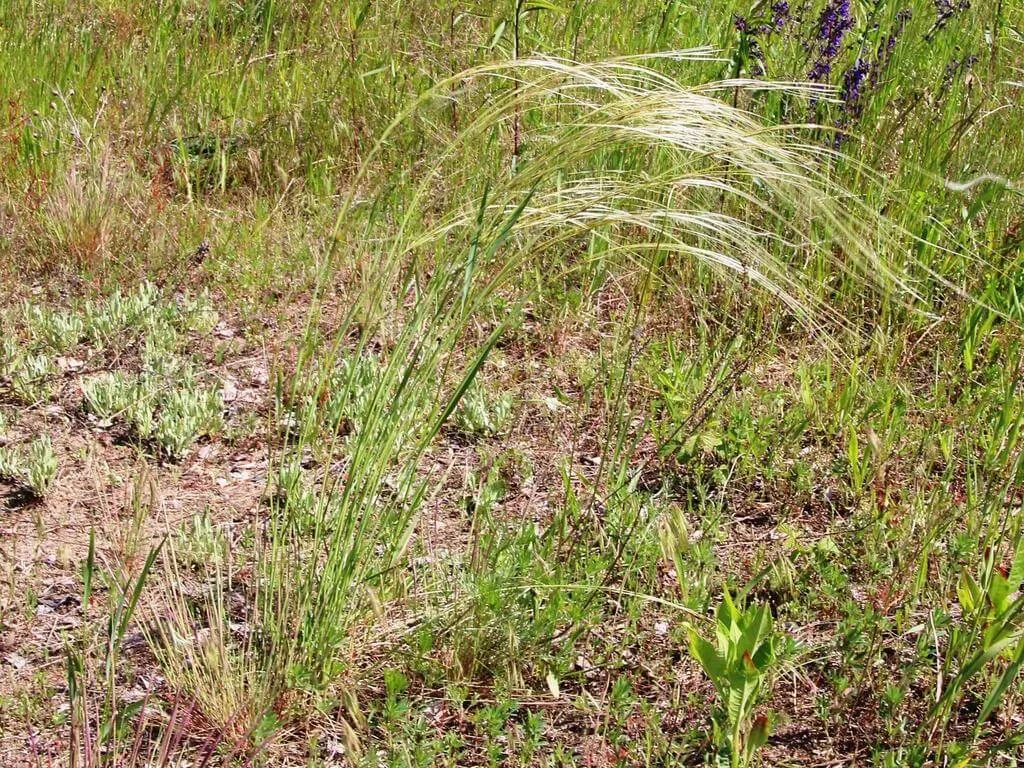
(751,30)
(833,24)
(853,85)
(958,67)
(865,74)
(944,11)
(780,14)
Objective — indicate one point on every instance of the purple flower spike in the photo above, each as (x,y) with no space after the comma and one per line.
(944,11)
(853,84)
(833,24)
(780,14)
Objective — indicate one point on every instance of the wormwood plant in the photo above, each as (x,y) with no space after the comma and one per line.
(31,377)
(35,466)
(483,414)
(185,414)
(328,401)
(8,351)
(738,664)
(40,465)
(200,544)
(10,463)
(58,330)
(164,404)
(196,314)
(109,394)
(172,415)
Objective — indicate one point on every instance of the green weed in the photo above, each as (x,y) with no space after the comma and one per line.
(739,664)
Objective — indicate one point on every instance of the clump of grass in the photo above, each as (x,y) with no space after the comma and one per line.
(706,166)
(107,728)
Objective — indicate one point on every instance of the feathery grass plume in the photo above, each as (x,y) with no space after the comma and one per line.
(657,167)
(619,149)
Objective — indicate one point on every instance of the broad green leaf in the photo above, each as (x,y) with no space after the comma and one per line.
(968,592)
(713,664)
(729,606)
(133,599)
(1017,569)
(1005,681)
(544,5)
(736,704)
(758,735)
(999,591)
(764,655)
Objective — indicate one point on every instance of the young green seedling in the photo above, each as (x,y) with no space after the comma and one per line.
(738,665)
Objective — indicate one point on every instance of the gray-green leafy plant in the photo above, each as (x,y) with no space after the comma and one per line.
(36,466)
(10,463)
(158,351)
(142,415)
(109,395)
(197,314)
(294,499)
(333,401)
(200,544)
(186,414)
(103,320)
(31,377)
(482,414)
(58,330)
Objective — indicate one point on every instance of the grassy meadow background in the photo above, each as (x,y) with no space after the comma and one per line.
(511,383)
